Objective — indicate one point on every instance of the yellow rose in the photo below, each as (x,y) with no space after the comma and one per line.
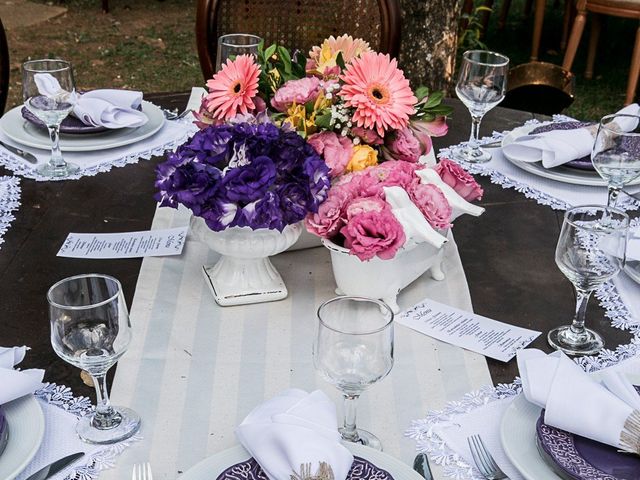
(363,156)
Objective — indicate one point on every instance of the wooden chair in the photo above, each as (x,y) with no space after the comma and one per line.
(616,8)
(296,23)
(4,69)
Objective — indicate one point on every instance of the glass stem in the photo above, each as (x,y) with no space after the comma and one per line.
(105,417)
(582,299)
(614,193)
(349,432)
(474,138)
(56,160)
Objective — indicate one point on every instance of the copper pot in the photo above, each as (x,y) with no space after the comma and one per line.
(539,87)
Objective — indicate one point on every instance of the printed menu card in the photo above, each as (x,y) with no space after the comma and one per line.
(483,335)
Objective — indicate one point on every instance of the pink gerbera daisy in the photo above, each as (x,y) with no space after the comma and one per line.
(232,89)
(378,90)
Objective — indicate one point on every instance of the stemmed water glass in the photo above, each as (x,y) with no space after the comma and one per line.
(590,251)
(90,329)
(353,349)
(482,83)
(48,91)
(235,44)
(616,152)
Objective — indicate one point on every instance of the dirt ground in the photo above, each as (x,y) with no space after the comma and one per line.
(147,45)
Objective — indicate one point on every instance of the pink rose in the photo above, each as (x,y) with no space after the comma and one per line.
(402,145)
(459,179)
(296,91)
(330,216)
(368,136)
(365,204)
(432,203)
(371,234)
(423,131)
(397,173)
(334,149)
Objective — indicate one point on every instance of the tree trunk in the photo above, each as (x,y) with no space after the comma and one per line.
(429,41)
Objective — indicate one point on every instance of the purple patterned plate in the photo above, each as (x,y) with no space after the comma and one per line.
(581,163)
(70,124)
(578,458)
(361,469)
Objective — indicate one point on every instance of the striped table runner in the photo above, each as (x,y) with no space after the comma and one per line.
(194,370)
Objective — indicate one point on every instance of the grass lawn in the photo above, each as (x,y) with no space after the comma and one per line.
(150,45)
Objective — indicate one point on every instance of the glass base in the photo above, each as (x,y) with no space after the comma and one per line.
(471,155)
(128,426)
(564,339)
(66,170)
(364,438)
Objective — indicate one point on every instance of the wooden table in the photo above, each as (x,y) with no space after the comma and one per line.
(508,253)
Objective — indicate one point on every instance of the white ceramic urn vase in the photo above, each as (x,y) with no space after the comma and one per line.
(383,279)
(244,274)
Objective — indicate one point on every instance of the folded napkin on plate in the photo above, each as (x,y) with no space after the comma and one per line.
(559,146)
(108,108)
(607,411)
(16,383)
(292,430)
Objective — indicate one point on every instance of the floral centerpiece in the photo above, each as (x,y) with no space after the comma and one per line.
(336,137)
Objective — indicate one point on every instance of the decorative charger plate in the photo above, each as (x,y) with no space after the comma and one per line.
(70,124)
(24,132)
(519,441)
(236,463)
(575,176)
(26,431)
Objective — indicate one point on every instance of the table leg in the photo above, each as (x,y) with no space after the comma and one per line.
(537,28)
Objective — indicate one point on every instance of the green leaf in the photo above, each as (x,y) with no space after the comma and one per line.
(434,99)
(285,58)
(324,120)
(340,61)
(421,92)
(270,51)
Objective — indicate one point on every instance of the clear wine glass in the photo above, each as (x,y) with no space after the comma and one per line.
(90,329)
(590,251)
(235,44)
(616,152)
(353,349)
(48,91)
(482,83)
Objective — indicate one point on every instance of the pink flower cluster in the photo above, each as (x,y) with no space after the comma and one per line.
(357,215)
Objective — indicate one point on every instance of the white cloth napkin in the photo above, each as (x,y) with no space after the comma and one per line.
(561,146)
(108,108)
(575,402)
(16,383)
(292,429)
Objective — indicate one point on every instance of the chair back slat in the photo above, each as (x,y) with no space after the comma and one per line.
(296,23)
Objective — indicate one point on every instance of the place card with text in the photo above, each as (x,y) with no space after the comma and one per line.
(154,243)
(483,335)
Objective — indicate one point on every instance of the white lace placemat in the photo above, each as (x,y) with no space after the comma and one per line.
(61,412)
(9,202)
(172,134)
(557,195)
(442,433)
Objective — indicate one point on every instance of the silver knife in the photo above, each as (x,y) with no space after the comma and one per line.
(29,157)
(420,465)
(53,468)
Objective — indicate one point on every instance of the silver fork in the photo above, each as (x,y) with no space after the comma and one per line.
(142,471)
(483,459)
(174,115)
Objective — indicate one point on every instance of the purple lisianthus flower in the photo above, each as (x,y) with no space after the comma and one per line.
(249,182)
(244,174)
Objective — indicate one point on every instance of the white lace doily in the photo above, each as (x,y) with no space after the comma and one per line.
(610,299)
(170,136)
(61,410)
(9,202)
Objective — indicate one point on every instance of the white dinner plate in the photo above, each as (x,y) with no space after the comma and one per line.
(26,431)
(211,467)
(26,133)
(518,437)
(570,175)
